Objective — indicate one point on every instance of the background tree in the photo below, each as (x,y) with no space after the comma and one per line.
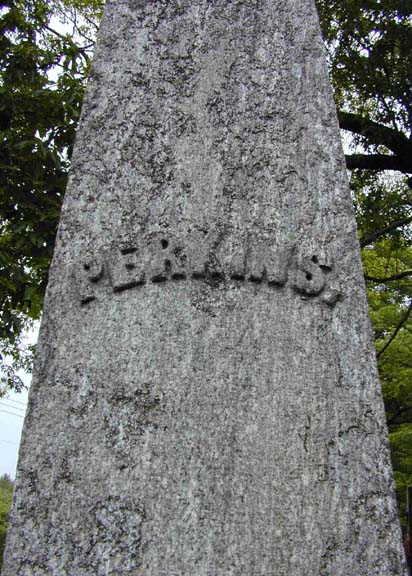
(45,55)
(369,45)
(6,493)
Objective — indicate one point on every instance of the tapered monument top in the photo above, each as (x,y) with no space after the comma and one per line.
(205,400)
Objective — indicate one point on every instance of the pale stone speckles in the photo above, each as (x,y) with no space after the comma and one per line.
(205,400)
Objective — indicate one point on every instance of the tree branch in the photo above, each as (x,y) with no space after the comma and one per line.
(400,412)
(378,162)
(91,22)
(67,38)
(390,278)
(369,239)
(375,133)
(403,321)
(61,36)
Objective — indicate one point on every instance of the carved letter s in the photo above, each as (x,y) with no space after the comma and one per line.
(307,277)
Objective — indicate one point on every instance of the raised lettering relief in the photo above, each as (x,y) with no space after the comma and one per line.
(159,259)
(126,269)
(165,260)
(267,263)
(91,271)
(307,276)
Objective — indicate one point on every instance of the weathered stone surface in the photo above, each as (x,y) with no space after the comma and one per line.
(205,400)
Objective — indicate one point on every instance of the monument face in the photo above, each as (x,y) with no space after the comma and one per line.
(206,400)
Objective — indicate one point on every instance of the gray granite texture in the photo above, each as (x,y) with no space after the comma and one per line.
(206,400)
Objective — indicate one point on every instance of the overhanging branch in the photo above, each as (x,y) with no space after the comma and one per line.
(376,134)
(393,278)
(393,226)
(378,162)
(399,413)
(403,321)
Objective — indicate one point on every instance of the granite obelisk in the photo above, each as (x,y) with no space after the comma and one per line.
(205,400)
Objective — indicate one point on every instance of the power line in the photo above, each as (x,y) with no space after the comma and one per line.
(2,403)
(12,414)
(15,401)
(7,442)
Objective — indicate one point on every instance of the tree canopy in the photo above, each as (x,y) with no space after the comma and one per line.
(45,56)
(43,69)
(6,493)
(369,45)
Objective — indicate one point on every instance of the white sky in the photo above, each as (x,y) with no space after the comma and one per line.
(12,412)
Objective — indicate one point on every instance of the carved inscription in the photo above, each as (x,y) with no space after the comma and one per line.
(126,269)
(160,259)
(92,270)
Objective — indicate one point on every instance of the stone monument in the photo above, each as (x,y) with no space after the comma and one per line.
(205,400)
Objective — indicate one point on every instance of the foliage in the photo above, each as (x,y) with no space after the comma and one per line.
(369,45)
(401,443)
(6,493)
(390,308)
(42,78)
